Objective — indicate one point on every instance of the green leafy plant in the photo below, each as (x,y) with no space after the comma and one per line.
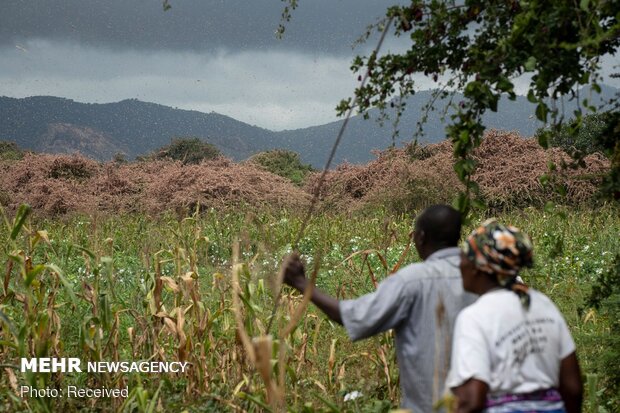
(10,151)
(282,162)
(605,296)
(188,151)
(586,141)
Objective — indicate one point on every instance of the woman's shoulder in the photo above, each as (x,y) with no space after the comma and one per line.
(500,303)
(487,304)
(500,296)
(542,301)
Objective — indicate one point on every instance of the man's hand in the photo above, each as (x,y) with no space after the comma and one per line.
(294,272)
(294,275)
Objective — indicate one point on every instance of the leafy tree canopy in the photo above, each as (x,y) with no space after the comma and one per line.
(480,48)
(284,163)
(587,140)
(188,151)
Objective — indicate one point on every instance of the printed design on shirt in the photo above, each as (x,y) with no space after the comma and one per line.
(526,338)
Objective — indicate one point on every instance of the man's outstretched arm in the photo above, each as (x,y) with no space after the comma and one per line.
(294,275)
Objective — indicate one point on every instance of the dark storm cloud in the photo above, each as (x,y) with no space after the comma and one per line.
(203,55)
(326,26)
(272,89)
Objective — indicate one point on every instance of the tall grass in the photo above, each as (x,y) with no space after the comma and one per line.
(133,287)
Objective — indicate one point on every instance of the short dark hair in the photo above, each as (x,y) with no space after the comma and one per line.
(441,225)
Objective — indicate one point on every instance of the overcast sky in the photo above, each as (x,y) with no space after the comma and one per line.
(206,55)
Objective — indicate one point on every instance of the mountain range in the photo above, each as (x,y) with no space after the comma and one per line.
(59,125)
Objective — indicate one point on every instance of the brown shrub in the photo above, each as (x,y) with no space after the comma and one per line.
(51,184)
(510,168)
(401,180)
(220,183)
(58,185)
(508,173)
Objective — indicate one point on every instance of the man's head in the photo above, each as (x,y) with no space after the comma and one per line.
(437,227)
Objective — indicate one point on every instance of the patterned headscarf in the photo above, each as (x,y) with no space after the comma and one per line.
(502,251)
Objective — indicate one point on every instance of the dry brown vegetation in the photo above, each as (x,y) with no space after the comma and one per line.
(509,168)
(508,173)
(61,184)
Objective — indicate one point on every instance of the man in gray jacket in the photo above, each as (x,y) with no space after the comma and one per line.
(420,302)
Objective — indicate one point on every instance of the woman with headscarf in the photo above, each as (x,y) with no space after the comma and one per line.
(511,351)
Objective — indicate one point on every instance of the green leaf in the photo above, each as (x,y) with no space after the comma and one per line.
(331,406)
(473,187)
(457,147)
(504,85)
(8,343)
(530,64)
(583,5)
(543,139)
(153,402)
(63,280)
(20,218)
(36,270)
(462,203)
(479,204)
(9,323)
(493,103)
(541,112)
(459,168)
(468,166)
(88,252)
(256,400)
(531,96)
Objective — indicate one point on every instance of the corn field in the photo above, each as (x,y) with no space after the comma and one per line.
(202,289)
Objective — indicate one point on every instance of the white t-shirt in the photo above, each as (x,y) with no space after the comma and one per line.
(510,349)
